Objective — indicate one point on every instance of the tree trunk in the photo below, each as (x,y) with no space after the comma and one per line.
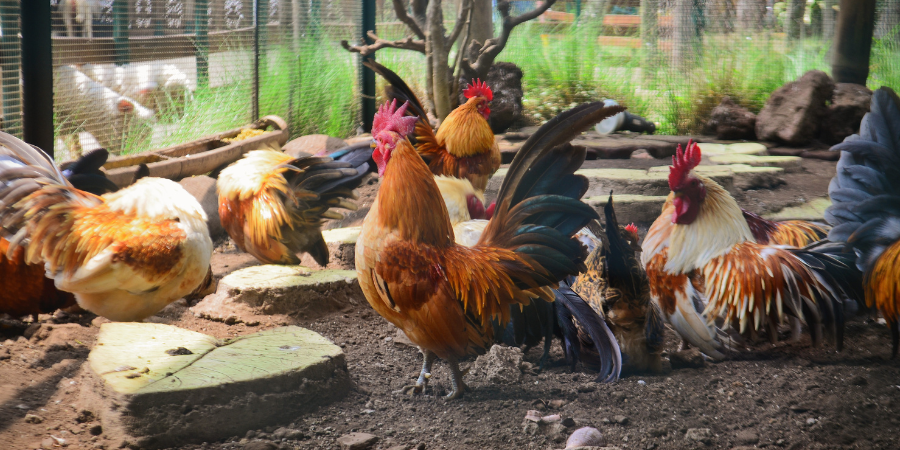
(888,20)
(750,14)
(795,19)
(439,54)
(295,24)
(683,33)
(853,41)
(650,33)
(481,27)
(595,10)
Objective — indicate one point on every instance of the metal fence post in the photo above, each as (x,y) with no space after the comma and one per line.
(260,36)
(120,31)
(201,41)
(10,52)
(367,76)
(37,74)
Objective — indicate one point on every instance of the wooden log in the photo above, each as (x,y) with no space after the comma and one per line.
(197,157)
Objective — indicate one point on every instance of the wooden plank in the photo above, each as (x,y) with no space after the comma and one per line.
(621,20)
(558,16)
(619,41)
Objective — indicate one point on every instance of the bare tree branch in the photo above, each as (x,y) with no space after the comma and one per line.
(493,47)
(461,21)
(419,10)
(400,11)
(406,43)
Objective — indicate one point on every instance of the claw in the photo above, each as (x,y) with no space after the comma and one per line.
(412,389)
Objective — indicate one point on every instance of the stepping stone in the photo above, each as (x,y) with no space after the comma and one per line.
(631,208)
(745,176)
(744,148)
(246,294)
(341,249)
(814,210)
(620,181)
(160,386)
(619,148)
(788,163)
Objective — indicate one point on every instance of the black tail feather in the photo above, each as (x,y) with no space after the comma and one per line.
(398,90)
(601,337)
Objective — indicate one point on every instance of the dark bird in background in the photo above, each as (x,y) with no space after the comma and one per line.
(865,210)
(616,286)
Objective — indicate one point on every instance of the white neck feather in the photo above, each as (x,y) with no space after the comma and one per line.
(719,226)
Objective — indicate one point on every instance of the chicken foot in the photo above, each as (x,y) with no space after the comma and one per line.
(459,387)
(422,381)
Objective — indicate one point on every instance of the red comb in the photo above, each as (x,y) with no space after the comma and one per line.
(682,163)
(391,118)
(479,88)
(631,228)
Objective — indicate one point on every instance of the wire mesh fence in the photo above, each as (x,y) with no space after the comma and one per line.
(135,75)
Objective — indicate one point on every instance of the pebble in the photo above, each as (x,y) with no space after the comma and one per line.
(699,435)
(859,380)
(746,437)
(357,441)
(584,437)
(621,420)
(32,418)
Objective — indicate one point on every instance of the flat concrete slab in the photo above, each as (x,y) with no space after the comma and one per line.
(157,386)
(745,176)
(788,163)
(272,289)
(341,248)
(742,148)
(814,210)
(620,181)
(631,208)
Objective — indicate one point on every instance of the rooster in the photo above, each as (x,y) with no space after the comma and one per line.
(702,259)
(443,295)
(616,286)
(585,336)
(463,146)
(124,255)
(272,204)
(793,233)
(865,210)
(26,289)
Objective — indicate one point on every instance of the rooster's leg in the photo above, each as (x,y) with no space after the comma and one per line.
(548,340)
(796,329)
(459,387)
(422,381)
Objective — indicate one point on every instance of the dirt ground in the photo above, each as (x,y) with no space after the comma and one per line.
(786,396)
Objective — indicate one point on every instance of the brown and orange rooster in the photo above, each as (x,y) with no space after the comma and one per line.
(124,255)
(616,286)
(702,259)
(463,146)
(273,205)
(865,210)
(443,295)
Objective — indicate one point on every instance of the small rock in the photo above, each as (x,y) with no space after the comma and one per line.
(47,443)
(586,437)
(96,430)
(553,418)
(703,435)
(568,422)
(259,445)
(357,441)
(533,416)
(794,112)
(657,432)
(32,418)
(203,188)
(687,359)
(746,437)
(557,404)
(587,387)
(730,120)
(621,420)
(811,421)
(313,144)
(85,416)
(859,380)
(848,106)
(800,408)
(401,340)
(500,365)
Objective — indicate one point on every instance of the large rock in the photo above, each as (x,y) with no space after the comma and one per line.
(848,106)
(313,144)
(731,121)
(500,365)
(505,80)
(159,386)
(794,112)
(203,188)
(274,289)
